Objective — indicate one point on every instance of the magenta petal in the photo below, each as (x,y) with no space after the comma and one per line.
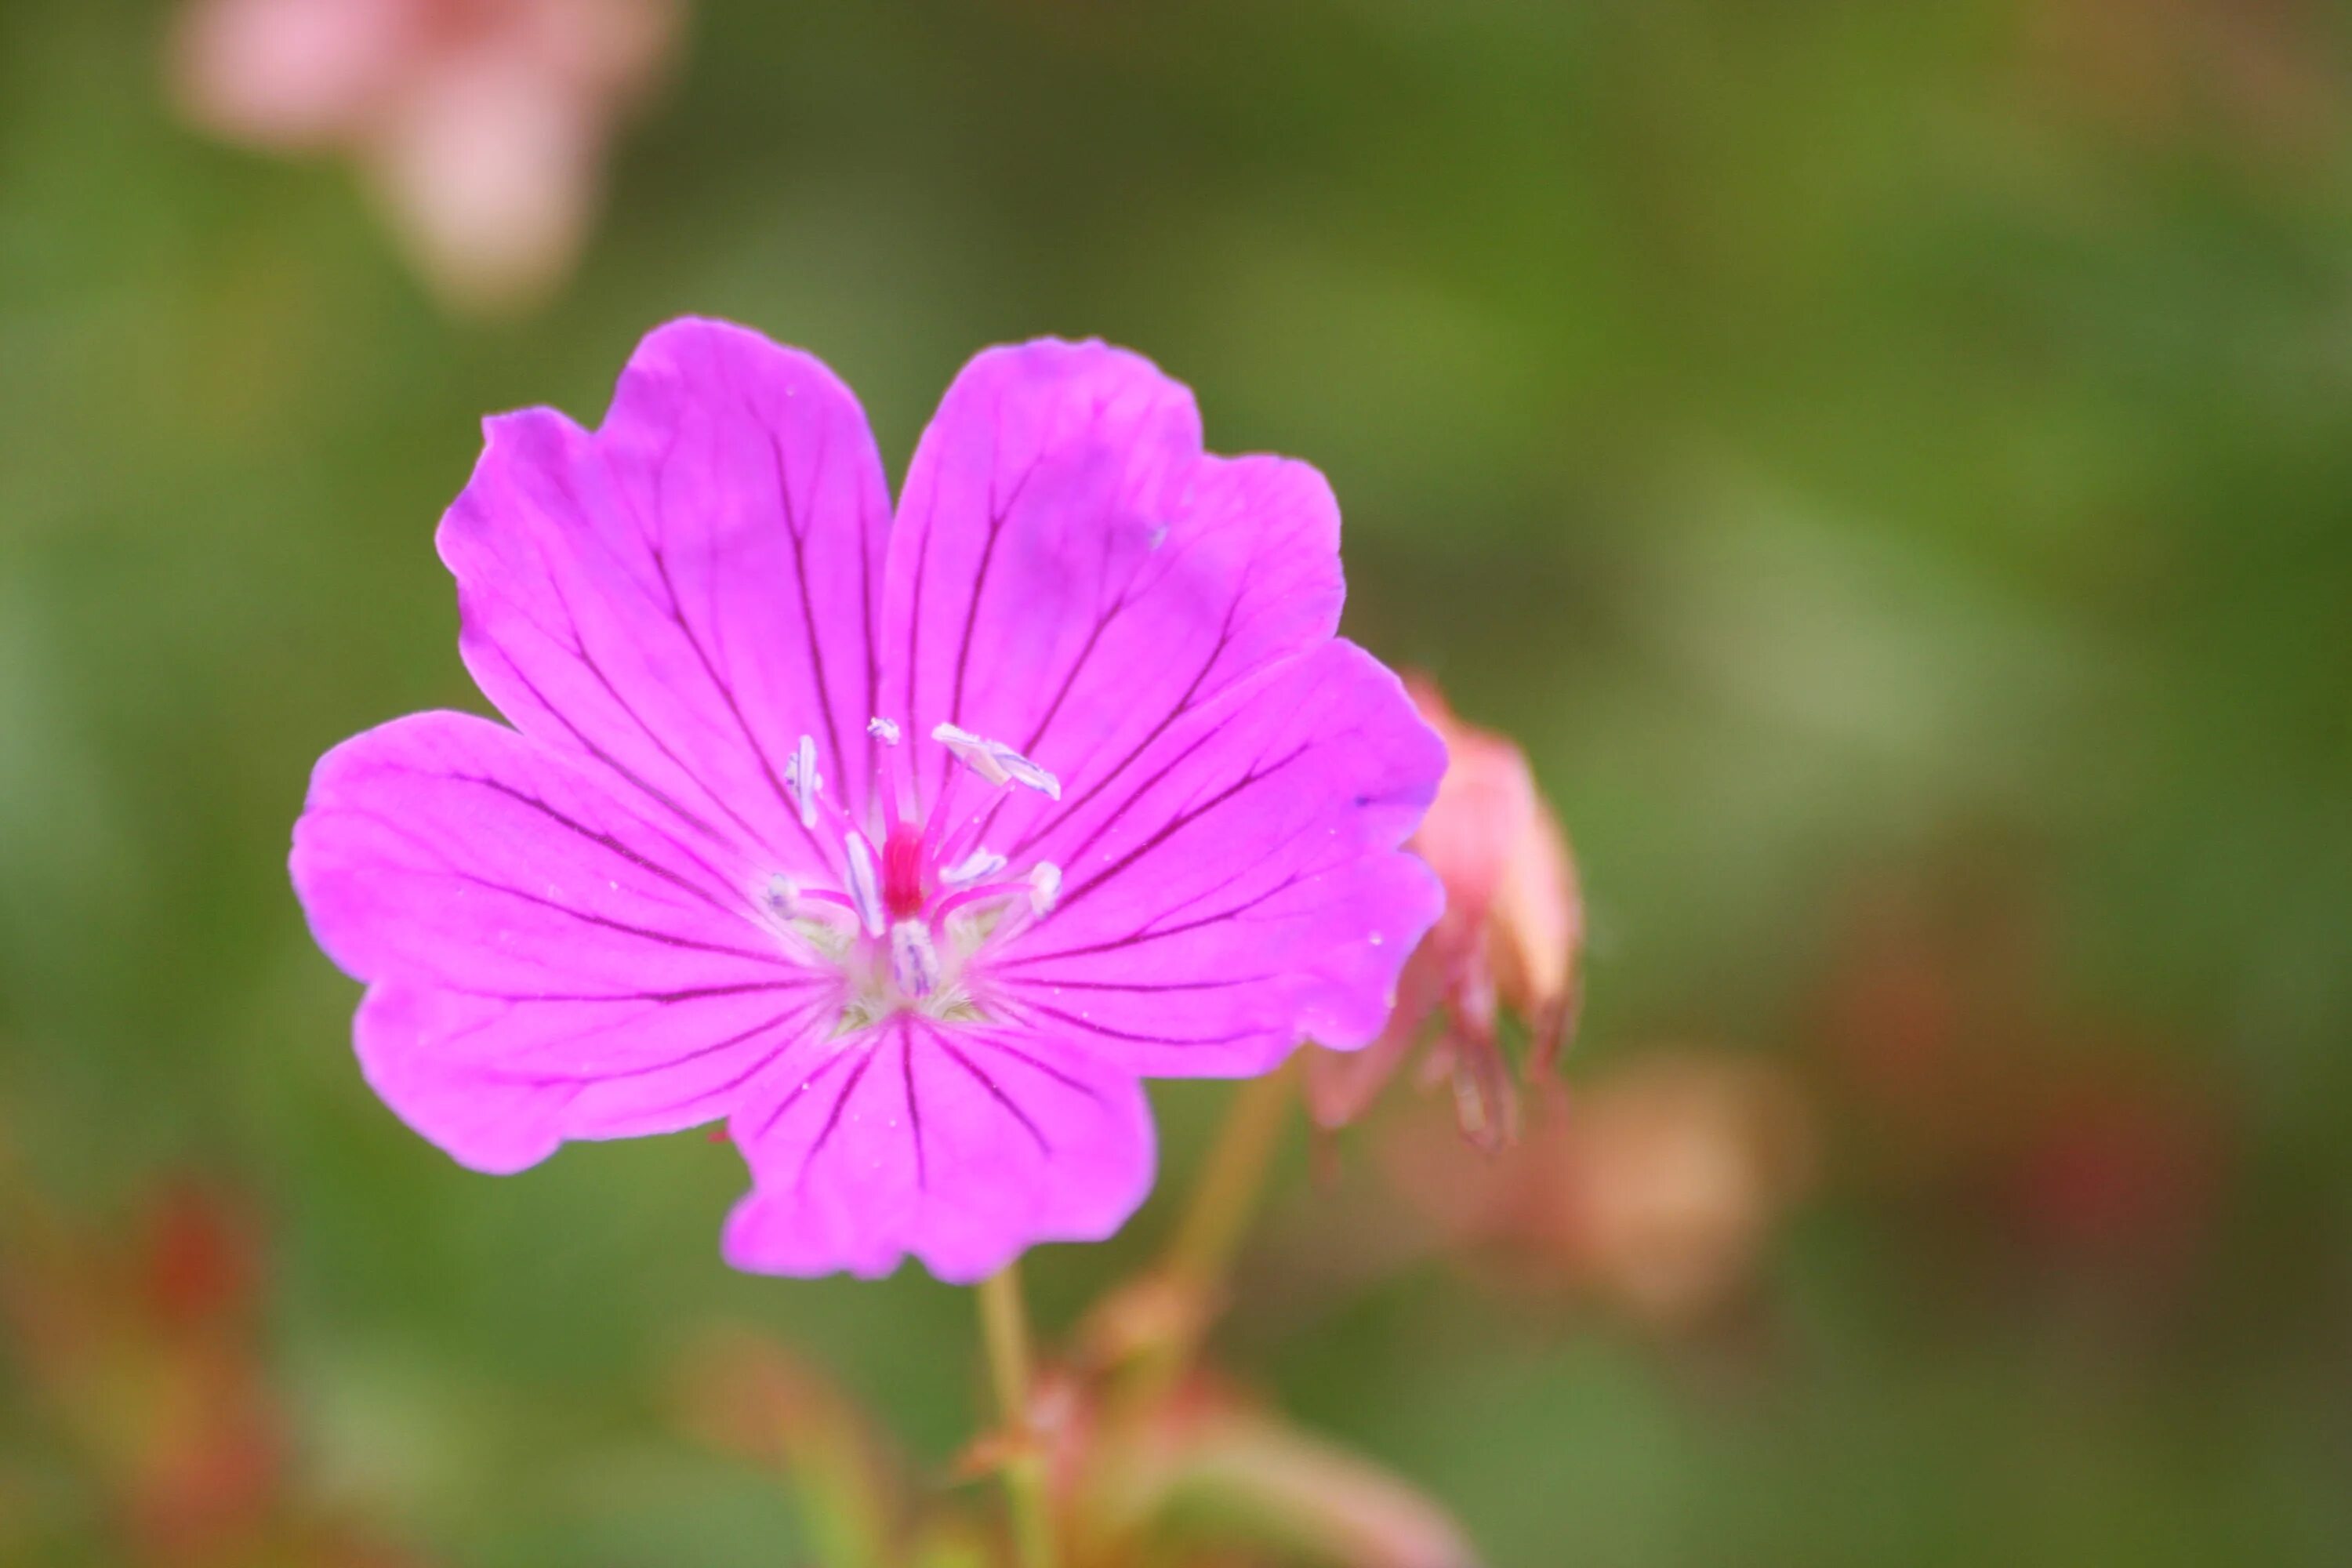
(1240,888)
(544,962)
(958,1144)
(484,1116)
(683,594)
(1070,574)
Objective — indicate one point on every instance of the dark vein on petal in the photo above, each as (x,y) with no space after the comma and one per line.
(997,516)
(1145,987)
(786,1102)
(865,552)
(1088,1025)
(1075,855)
(1176,823)
(651,791)
(676,613)
(1070,681)
(735,709)
(833,1119)
(915,616)
(1146,934)
(1241,873)
(1183,706)
(648,1068)
(808,607)
(578,651)
(1005,1048)
(659,999)
(759,1064)
(437,859)
(996,1091)
(665,939)
(606,841)
(914,1106)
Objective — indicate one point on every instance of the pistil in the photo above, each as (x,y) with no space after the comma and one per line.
(926,903)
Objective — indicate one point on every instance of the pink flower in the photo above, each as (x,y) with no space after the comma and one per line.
(479,124)
(908,846)
(1658,1188)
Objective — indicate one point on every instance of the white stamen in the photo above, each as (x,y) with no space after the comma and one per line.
(883,730)
(972,868)
(1023,770)
(801,778)
(973,752)
(914,962)
(996,762)
(1044,887)
(864,889)
(782,894)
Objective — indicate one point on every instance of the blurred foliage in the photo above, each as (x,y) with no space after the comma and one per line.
(1874,457)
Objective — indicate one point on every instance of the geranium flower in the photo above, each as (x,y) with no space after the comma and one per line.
(906,844)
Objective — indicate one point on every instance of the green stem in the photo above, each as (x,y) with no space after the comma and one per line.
(1226,1195)
(1004,1328)
(1199,1255)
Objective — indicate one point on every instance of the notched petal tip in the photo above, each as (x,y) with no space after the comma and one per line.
(1051,358)
(691,340)
(957,1146)
(665,593)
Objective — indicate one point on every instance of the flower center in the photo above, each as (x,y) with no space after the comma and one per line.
(906,925)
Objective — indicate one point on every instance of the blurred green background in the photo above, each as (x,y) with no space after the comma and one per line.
(1890,464)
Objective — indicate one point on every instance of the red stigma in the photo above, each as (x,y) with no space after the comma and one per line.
(902,871)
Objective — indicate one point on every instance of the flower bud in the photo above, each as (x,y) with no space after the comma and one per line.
(1508,940)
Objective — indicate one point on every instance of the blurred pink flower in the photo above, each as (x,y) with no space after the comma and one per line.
(1655,1190)
(480,125)
(908,845)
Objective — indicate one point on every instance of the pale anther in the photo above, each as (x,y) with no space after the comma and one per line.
(865,888)
(973,752)
(914,962)
(782,894)
(1044,887)
(1023,770)
(996,762)
(972,868)
(883,730)
(801,778)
